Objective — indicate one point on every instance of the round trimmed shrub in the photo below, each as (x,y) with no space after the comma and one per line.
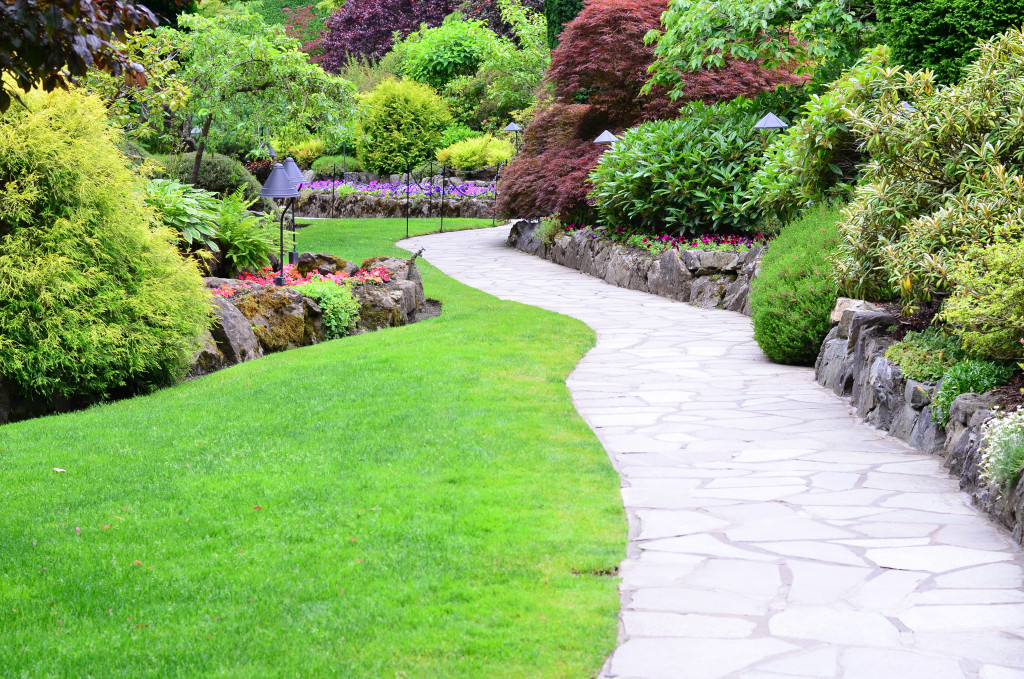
(792,298)
(220,174)
(402,124)
(96,299)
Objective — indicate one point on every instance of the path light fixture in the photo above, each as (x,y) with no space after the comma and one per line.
(344,154)
(197,131)
(279,185)
(606,137)
(512,127)
(295,176)
(770,122)
(907,109)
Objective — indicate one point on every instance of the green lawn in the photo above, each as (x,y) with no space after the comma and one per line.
(418,502)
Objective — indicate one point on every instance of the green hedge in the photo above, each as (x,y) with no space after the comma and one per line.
(940,34)
(402,123)
(791,299)
(558,14)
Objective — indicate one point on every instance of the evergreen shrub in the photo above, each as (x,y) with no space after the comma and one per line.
(940,34)
(792,297)
(402,123)
(476,153)
(686,176)
(96,299)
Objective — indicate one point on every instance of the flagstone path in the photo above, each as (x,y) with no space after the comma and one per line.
(772,534)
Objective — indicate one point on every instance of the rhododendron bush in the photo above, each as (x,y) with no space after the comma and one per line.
(596,77)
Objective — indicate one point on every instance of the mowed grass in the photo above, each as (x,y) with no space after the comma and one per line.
(417,502)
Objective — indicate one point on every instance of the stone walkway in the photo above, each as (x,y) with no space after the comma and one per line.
(772,535)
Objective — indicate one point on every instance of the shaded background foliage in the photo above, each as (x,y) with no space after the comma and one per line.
(559,13)
(941,34)
(366,27)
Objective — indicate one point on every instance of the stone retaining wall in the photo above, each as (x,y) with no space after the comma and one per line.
(710,280)
(852,364)
(366,206)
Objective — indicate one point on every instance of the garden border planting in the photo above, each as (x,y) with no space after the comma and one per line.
(709,280)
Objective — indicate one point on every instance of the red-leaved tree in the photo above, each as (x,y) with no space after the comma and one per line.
(596,75)
(365,28)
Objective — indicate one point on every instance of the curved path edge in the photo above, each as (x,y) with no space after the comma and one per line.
(772,534)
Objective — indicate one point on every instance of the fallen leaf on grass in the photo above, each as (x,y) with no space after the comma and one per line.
(257,508)
(59,470)
(106,528)
(138,563)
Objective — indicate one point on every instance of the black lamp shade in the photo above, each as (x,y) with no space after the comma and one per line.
(294,173)
(512,127)
(606,137)
(278,184)
(770,122)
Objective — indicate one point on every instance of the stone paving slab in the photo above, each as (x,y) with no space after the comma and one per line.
(772,534)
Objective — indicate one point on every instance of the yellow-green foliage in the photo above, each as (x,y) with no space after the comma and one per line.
(945,174)
(96,299)
(307,151)
(476,152)
(792,297)
(988,305)
(401,123)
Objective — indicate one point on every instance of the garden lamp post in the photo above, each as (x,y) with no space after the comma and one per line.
(606,137)
(296,178)
(279,185)
(512,127)
(770,122)
(344,154)
(270,149)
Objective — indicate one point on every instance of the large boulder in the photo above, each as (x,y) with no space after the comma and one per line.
(281,318)
(233,333)
(324,264)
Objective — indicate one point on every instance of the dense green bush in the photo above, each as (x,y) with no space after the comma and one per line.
(987,307)
(245,240)
(558,14)
(684,176)
(476,152)
(792,298)
(926,356)
(973,376)
(816,160)
(307,151)
(325,165)
(402,122)
(456,133)
(96,299)
(940,34)
(339,306)
(220,174)
(942,177)
(455,48)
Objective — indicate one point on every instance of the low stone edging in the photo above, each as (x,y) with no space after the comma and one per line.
(365,206)
(710,280)
(852,364)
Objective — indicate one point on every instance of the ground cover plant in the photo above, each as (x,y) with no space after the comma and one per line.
(345,522)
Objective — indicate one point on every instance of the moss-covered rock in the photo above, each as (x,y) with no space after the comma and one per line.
(281,318)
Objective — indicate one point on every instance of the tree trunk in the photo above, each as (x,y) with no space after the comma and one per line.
(200,148)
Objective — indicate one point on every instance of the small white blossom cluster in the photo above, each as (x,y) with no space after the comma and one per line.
(1003,448)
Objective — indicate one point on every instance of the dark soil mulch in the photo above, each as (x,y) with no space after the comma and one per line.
(918,321)
(1011,395)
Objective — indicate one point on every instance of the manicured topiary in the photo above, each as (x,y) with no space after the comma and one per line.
(96,299)
(402,123)
(792,297)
